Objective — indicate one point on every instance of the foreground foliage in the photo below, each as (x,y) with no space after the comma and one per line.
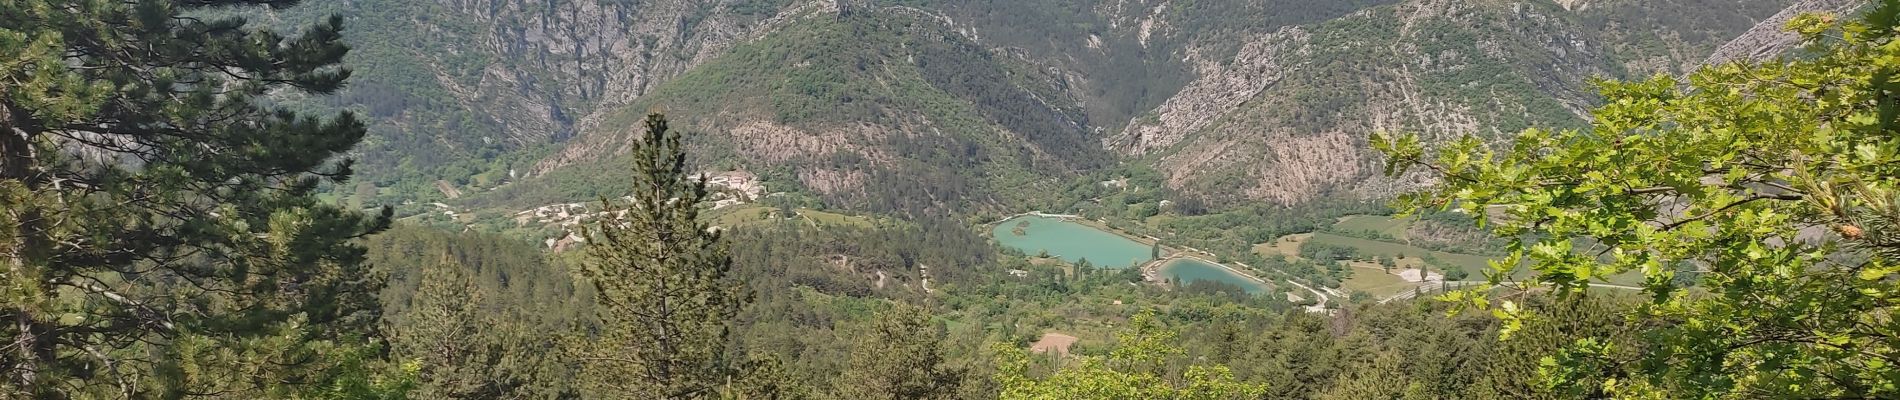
(1770,186)
(1131,371)
(158,230)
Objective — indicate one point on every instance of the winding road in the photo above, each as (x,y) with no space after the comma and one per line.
(1320,306)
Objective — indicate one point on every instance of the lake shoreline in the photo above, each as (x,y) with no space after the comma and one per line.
(1071,239)
(1152,269)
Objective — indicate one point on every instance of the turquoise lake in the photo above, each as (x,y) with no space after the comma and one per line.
(1190,270)
(1071,242)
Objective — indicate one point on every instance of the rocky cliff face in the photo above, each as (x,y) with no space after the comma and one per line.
(1222,86)
(953,101)
(1768,39)
(546,68)
(1017,92)
(874,107)
(457,89)
(1284,118)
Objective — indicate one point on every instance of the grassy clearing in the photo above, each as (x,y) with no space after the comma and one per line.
(1370,278)
(753,213)
(1374,248)
(1377,223)
(1158,221)
(1475,265)
(1375,281)
(1288,245)
(829,218)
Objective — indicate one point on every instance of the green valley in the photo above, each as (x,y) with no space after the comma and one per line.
(831,199)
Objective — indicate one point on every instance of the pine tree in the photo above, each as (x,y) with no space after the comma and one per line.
(443,330)
(1382,377)
(785,209)
(464,354)
(1134,369)
(899,357)
(661,280)
(159,235)
(475,312)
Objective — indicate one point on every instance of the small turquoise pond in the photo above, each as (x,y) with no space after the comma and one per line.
(1070,241)
(1190,270)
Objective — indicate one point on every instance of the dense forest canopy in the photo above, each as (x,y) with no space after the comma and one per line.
(179,218)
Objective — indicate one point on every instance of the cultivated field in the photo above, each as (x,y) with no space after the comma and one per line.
(753,213)
(1377,223)
(1370,278)
(1374,248)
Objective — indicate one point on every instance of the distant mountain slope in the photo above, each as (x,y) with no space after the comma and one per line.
(919,104)
(456,90)
(1124,57)
(1647,37)
(1051,90)
(881,108)
(1767,39)
(1285,118)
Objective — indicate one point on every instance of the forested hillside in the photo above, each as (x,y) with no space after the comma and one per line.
(473,92)
(1234,102)
(883,111)
(922,199)
(1280,120)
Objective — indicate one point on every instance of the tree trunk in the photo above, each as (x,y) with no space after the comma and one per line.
(16,147)
(16,165)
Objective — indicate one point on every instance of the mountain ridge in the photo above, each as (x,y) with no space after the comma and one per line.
(1232,102)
